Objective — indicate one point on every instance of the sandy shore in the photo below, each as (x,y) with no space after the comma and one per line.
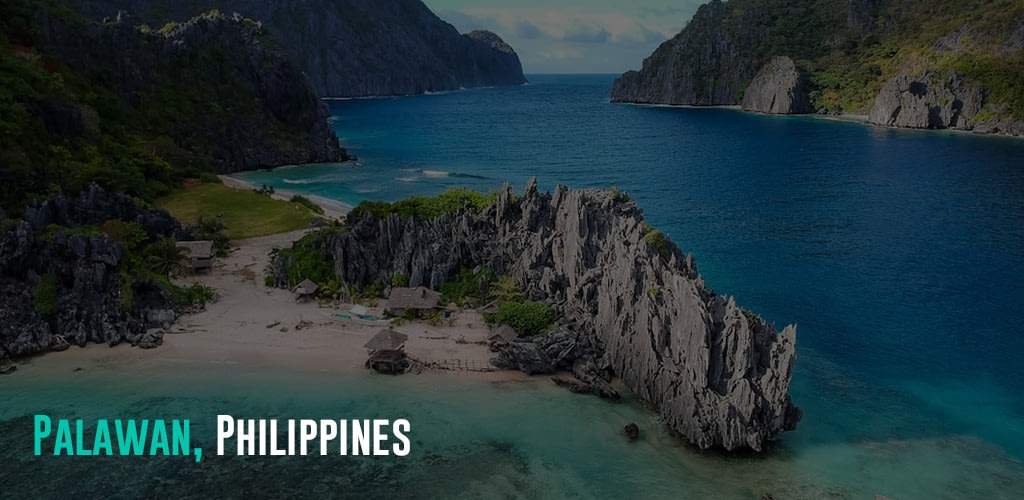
(332,209)
(254,326)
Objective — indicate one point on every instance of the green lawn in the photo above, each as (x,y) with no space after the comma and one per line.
(245,213)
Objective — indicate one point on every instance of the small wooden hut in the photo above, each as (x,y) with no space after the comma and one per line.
(420,299)
(387,352)
(200,254)
(306,290)
(450,310)
(501,337)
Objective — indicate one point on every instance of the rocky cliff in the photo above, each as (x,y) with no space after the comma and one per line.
(221,91)
(936,101)
(854,56)
(353,48)
(63,286)
(629,302)
(777,89)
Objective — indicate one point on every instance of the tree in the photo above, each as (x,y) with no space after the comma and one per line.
(165,257)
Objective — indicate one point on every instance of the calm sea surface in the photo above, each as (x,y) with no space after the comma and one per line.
(899,254)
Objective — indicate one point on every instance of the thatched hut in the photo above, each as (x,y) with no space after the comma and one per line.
(200,254)
(422,300)
(387,352)
(501,337)
(305,290)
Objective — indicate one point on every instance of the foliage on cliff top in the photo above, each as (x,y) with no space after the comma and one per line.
(849,49)
(244,213)
(67,123)
(427,207)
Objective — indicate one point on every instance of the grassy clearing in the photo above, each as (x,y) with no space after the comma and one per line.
(245,213)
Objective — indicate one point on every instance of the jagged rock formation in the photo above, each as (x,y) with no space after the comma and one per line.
(928,101)
(630,303)
(82,272)
(936,101)
(351,48)
(258,108)
(777,89)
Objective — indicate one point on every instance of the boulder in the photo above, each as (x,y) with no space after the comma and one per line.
(632,431)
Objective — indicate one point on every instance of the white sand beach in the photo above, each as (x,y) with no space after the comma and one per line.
(253,325)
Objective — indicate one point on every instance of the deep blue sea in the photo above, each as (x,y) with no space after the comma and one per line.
(900,255)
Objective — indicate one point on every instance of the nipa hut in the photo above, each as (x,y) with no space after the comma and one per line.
(200,254)
(306,290)
(420,299)
(387,352)
(501,337)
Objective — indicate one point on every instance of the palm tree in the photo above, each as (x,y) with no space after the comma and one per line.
(165,257)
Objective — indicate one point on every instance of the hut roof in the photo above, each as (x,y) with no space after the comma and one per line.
(490,307)
(359,310)
(198,249)
(387,340)
(503,333)
(416,298)
(307,287)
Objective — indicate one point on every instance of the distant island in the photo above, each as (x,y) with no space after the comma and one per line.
(922,65)
(354,48)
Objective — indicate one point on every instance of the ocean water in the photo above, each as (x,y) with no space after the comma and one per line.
(899,254)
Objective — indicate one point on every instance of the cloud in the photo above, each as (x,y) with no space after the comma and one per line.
(527,30)
(582,33)
(573,35)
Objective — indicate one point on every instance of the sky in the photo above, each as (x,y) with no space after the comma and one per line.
(573,36)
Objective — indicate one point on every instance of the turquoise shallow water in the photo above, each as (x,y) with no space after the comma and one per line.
(900,254)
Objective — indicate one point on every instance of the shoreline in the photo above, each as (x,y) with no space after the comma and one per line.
(857,118)
(333,209)
(254,327)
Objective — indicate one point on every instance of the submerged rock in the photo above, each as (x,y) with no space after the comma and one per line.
(627,298)
(632,431)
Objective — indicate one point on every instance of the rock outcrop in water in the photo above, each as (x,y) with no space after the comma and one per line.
(777,89)
(935,101)
(60,287)
(630,304)
(352,48)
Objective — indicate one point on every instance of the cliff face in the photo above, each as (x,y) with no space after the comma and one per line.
(777,89)
(705,64)
(81,276)
(718,375)
(854,56)
(351,48)
(211,81)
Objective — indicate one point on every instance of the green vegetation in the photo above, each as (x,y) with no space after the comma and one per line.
(306,202)
(427,207)
(46,295)
(657,240)
(846,67)
(244,214)
(165,257)
(400,280)
(175,115)
(472,286)
(307,260)
(526,318)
